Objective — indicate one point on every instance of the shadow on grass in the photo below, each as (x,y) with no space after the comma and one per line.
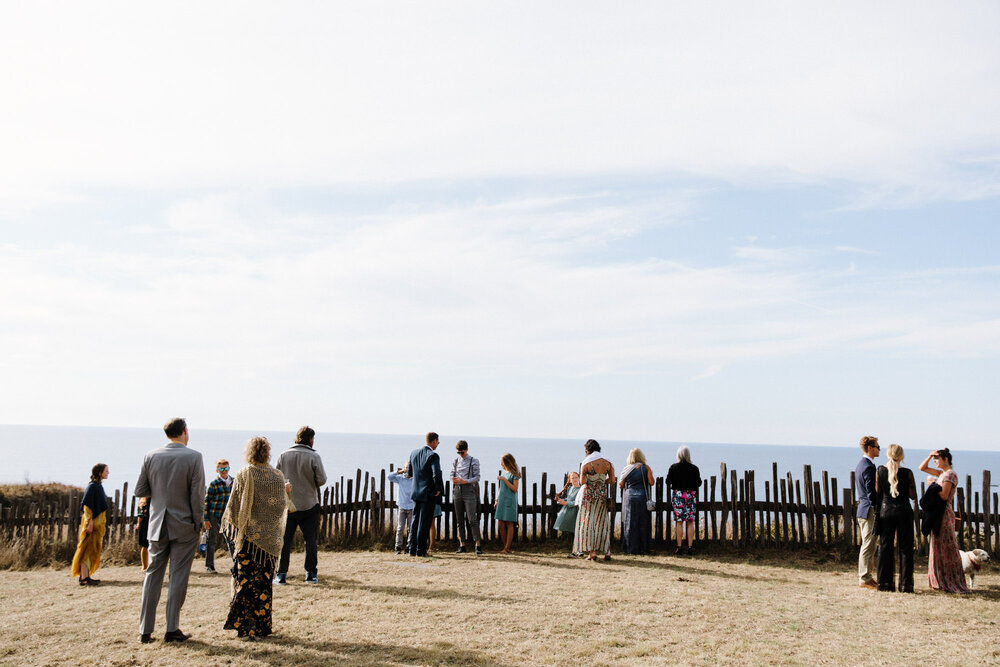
(705,567)
(417,592)
(288,650)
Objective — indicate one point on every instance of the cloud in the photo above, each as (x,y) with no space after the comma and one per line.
(374,93)
(760,254)
(711,371)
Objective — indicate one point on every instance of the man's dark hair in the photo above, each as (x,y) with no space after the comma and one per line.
(175,427)
(462,445)
(432,437)
(305,436)
(592,446)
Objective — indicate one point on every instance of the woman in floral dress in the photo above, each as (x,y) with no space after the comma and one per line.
(944,566)
(255,523)
(593,521)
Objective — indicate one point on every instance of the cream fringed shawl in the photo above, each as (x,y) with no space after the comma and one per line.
(255,513)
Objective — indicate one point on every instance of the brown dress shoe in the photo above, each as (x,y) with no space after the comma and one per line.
(175,636)
(146,639)
(868,584)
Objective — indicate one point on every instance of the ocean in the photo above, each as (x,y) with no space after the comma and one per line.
(67,453)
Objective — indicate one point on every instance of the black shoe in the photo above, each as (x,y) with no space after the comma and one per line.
(399,551)
(210,570)
(146,639)
(677,551)
(175,636)
(311,578)
(461,549)
(690,551)
(279,579)
(479,551)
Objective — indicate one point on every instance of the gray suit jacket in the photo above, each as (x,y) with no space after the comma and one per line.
(173,478)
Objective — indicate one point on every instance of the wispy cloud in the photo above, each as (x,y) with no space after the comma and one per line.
(449,97)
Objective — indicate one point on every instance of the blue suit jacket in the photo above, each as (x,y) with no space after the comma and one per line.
(864,484)
(425,468)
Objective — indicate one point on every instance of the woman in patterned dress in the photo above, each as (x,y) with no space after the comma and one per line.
(255,523)
(944,566)
(593,522)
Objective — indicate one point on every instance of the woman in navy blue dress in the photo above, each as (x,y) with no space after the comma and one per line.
(636,480)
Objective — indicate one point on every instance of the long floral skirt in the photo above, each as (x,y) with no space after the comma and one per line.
(944,566)
(250,608)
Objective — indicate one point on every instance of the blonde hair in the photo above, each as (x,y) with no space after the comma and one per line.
(220,462)
(508,463)
(895,455)
(683,454)
(635,455)
(258,450)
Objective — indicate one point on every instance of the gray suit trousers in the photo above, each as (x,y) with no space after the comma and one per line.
(180,554)
(466,498)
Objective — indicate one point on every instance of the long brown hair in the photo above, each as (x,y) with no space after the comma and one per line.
(508,463)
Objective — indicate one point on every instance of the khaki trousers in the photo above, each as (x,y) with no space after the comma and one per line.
(866,558)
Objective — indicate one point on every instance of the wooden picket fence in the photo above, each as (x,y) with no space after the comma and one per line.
(809,510)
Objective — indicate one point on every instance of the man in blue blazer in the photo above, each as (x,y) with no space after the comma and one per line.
(864,484)
(425,467)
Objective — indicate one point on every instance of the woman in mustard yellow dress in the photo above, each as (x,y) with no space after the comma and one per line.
(94,512)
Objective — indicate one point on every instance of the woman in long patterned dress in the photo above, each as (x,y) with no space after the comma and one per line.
(636,479)
(593,522)
(944,566)
(93,514)
(255,524)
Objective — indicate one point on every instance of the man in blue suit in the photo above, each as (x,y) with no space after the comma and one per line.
(425,467)
(864,484)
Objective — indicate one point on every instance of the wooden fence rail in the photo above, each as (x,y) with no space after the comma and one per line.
(813,509)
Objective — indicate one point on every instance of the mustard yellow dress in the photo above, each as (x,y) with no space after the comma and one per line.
(88,549)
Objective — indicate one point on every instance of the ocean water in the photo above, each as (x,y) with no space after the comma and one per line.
(66,454)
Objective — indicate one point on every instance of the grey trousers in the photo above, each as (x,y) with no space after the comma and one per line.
(179,553)
(212,541)
(466,499)
(405,516)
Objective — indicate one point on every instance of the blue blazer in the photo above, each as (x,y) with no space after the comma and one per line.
(864,485)
(425,468)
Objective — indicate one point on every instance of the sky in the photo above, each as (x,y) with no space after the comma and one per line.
(705,222)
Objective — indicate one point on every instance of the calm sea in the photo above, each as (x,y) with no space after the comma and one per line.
(66,454)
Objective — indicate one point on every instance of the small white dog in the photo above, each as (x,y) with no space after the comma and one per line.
(972,562)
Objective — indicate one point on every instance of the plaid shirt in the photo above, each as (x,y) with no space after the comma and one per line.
(216,498)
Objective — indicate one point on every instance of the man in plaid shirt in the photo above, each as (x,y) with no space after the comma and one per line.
(216,498)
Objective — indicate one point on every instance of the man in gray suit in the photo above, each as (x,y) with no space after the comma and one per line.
(173,478)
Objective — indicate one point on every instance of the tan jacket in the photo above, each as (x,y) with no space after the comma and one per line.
(303,468)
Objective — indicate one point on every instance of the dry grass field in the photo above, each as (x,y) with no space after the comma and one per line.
(531,608)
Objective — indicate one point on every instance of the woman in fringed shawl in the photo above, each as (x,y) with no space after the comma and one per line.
(255,522)
(93,513)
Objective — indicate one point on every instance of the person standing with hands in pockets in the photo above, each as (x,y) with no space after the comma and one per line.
(465,481)
(864,481)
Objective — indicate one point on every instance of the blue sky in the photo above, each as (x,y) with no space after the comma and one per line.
(647,222)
